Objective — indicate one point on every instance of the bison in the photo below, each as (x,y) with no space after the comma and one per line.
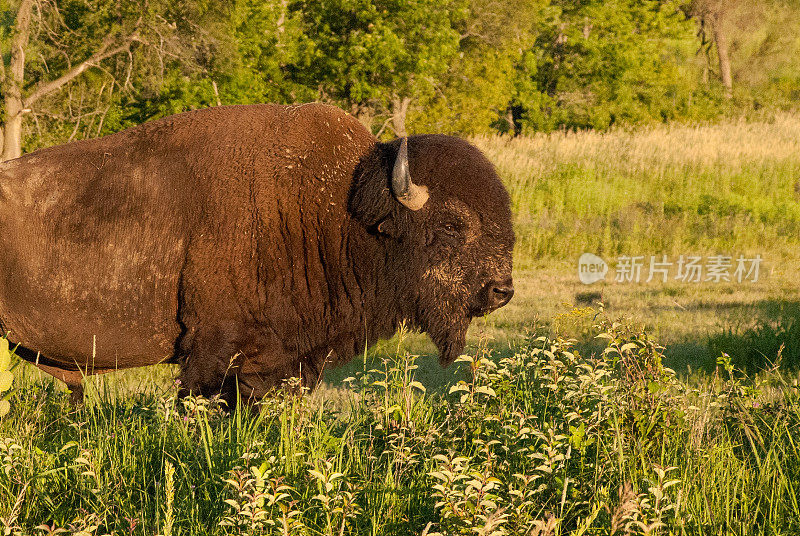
(248,244)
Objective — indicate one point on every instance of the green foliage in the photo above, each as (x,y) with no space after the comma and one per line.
(177,45)
(365,53)
(603,63)
(468,66)
(269,37)
(496,40)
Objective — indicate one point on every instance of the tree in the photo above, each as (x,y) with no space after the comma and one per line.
(268,36)
(479,90)
(602,62)
(20,98)
(756,47)
(711,14)
(72,65)
(766,52)
(376,56)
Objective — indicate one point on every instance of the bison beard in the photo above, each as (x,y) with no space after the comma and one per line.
(443,314)
(248,244)
(449,339)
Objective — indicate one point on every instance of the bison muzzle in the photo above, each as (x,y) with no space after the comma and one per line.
(248,244)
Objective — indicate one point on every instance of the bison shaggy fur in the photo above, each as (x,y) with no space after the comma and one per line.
(248,244)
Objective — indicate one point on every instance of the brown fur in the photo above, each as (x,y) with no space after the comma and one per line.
(247,243)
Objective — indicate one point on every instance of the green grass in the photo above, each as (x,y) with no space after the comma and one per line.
(554,435)
(545,439)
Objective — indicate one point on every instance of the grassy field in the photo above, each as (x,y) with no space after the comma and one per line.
(544,429)
(727,189)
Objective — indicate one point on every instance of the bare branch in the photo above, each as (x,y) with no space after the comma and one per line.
(36,122)
(102,119)
(97,57)
(78,122)
(127,83)
(385,124)
(216,92)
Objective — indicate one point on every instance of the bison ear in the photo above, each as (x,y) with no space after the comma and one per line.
(388,227)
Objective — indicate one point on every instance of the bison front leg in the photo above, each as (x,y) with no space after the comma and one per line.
(264,372)
(224,350)
(209,365)
(233,361)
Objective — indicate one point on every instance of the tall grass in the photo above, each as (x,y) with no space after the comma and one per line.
(729,187)
(544,442)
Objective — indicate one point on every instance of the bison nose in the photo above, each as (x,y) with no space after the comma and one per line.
(500,294)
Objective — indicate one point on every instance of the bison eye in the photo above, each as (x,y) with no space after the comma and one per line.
(451,229)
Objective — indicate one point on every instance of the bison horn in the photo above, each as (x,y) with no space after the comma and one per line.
(412,196)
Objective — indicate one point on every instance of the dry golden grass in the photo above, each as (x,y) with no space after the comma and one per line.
(657,147)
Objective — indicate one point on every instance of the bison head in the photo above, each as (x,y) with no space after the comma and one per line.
(442,216)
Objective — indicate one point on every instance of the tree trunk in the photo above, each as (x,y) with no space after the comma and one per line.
(12,135)
(721,40)
(399,111)
(12,84)
(512,125)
